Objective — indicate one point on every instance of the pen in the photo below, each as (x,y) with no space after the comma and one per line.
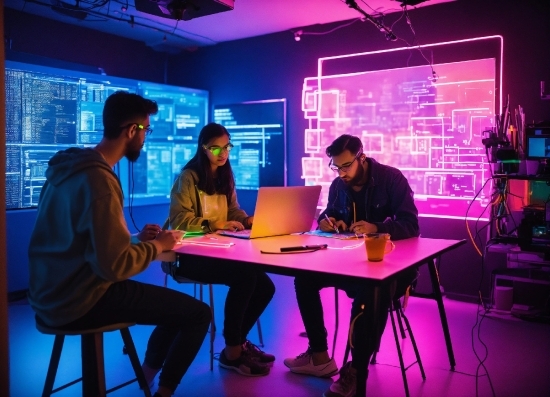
(332,225)
(304,248)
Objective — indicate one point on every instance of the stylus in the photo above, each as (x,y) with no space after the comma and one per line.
(332,225)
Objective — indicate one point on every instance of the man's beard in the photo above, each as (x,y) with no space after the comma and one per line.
(134,149)
(357,180)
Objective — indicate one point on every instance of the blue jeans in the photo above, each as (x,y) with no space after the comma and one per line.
(368,327)
(181,324)
(250,291)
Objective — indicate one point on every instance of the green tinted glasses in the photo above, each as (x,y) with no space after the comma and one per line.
(217,150)
(148,130)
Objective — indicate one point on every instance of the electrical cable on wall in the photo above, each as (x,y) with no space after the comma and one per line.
(389,31)
(299,33)
(383,28)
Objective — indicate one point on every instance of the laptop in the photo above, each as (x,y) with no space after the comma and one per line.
(280,211)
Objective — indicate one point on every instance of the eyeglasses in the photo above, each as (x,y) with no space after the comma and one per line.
(217,150)
(345,167)
(148,130)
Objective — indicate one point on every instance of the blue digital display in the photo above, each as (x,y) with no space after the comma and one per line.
(538,143)
(258,133)
(50,109)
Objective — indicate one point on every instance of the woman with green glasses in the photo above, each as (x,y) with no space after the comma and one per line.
(204,199)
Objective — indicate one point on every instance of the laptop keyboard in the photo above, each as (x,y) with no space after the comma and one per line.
(244,232)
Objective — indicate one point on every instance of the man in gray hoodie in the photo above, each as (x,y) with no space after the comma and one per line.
(81,255)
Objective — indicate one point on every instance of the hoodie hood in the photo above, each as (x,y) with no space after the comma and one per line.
(66,163)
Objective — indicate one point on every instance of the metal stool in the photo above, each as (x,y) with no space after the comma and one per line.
(93,371)
(169,269)
(397,307)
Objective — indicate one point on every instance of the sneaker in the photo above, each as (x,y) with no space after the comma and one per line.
(255,353)
(345,385)
(303,364)
(244,365)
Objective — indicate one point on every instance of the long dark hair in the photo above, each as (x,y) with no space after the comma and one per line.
(225,183)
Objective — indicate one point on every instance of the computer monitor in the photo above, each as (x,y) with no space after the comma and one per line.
(50,109)
(537,143)
(258,133)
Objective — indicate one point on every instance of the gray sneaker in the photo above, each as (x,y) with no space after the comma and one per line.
(258,354)
(303,364)
(345,385)
(244,365)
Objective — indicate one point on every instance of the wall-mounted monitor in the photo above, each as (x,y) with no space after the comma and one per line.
(258,133)
(50,109)
(182,113)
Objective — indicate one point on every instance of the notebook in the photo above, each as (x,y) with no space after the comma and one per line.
(281,210)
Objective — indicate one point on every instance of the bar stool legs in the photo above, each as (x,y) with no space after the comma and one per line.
(93,371)
(398,310)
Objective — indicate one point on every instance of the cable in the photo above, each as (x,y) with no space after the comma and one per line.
(348,247)
(131,19)
(435,77)
(481,361)
(466,217)
(300,32)
(131,203)
(176,26)
(380,26)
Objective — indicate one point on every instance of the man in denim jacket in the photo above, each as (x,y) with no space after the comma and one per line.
(366,197)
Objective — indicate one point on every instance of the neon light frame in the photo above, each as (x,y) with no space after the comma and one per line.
(498,99)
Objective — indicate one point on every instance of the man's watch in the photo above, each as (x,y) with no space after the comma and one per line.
(205,226)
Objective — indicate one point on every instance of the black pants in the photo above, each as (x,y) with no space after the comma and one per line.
(182,323)
(367,330)
(250,291)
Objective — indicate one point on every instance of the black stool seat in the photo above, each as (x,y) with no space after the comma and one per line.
(93,371)
(43,328)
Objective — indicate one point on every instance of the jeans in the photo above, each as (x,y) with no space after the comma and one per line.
(250,291)
(367,330)
(181,324)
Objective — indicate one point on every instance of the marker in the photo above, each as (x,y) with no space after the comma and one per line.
(332,225)
(304,248)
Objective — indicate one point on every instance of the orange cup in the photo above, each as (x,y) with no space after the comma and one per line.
(377,245)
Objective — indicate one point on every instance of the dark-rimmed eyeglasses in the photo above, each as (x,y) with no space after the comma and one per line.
(343,167)
(217,150)
(148,130)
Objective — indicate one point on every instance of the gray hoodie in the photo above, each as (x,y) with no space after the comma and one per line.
(80,244)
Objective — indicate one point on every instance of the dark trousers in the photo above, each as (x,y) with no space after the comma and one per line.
(250,291)
(367,328)
(182,323)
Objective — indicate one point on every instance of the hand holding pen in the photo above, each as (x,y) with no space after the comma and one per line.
(331,224)
(149,232)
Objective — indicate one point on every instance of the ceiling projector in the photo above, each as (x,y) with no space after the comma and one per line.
(183,9)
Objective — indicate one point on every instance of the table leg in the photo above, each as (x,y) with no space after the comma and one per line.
(434,276)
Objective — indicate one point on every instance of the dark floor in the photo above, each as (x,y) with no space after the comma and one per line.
(518,359)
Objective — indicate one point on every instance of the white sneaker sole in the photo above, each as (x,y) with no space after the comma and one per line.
(308,371)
